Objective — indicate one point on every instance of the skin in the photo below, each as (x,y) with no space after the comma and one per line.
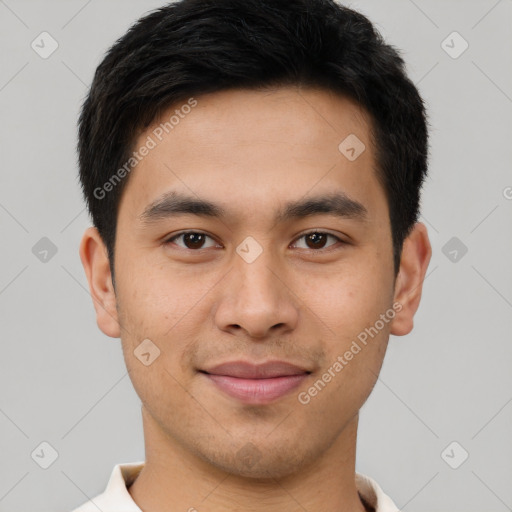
(251,152)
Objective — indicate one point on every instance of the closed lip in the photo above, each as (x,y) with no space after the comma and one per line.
(248,370)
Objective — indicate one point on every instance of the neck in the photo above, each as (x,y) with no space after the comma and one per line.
(175,479)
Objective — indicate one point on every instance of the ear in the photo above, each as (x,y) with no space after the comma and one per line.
(94,256)
(414,262)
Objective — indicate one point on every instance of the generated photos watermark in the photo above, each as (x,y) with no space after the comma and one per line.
(305,397)
(150,143)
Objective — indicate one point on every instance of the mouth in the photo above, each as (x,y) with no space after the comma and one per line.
(256,383)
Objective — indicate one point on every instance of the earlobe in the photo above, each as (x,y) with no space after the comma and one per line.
(416,254)
(95,261)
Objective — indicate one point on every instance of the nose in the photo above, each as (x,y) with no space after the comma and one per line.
(256,299)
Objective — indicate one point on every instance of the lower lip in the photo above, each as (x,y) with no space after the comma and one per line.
(257,391)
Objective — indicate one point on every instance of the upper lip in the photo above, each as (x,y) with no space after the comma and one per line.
(247,370)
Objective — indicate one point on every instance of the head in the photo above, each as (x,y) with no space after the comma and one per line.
(252,124)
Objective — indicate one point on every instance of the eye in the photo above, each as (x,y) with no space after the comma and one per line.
(317,240)
(195,240)
(191,239)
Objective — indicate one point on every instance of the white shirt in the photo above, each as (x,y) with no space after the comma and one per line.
(116,497)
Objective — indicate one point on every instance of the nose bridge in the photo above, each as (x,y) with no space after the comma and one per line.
(252,273)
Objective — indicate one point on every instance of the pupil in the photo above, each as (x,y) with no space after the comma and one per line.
(316,238)
(194,243)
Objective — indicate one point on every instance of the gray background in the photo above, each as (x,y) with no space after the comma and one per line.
(62,381)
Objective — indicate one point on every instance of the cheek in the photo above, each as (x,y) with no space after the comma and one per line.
(164,309)
(154,297)
(350,299)
(350,306)
(157,329)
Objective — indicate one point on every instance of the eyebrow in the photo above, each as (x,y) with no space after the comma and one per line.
(173,203)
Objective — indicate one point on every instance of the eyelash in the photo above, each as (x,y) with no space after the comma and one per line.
(170,240)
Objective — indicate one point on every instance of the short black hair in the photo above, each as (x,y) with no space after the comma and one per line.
(193,47)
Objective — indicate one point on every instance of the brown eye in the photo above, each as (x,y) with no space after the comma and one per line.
(192,240)
(317,240)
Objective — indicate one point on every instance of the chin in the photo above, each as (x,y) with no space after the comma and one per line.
(264,464)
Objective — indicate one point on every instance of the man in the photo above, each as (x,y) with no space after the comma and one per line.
(253,172)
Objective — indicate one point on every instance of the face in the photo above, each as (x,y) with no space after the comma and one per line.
(290,260)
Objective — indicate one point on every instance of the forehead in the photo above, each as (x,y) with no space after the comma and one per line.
(241,115)
(251,147)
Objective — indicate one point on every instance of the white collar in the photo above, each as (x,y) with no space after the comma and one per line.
(116,497)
